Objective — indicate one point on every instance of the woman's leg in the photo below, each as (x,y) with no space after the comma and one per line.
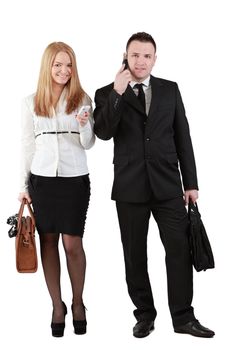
(76,264)
(51,266)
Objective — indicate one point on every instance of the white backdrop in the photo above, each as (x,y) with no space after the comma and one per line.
(195,48)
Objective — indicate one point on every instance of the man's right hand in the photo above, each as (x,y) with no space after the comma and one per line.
(122,79)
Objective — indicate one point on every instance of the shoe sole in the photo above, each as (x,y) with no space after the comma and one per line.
(80,332)
(195,335)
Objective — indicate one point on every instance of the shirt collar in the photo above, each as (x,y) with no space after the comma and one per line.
(146,82)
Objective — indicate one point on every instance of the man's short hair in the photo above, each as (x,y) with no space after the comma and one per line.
(142,37)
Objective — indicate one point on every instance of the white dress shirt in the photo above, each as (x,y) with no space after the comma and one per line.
(54,154)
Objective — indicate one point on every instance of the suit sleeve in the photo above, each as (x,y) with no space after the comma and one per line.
(184,146)
(107,113)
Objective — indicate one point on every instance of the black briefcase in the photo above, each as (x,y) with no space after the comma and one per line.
(201,252)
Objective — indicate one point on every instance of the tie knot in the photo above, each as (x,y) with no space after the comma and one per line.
(138,86)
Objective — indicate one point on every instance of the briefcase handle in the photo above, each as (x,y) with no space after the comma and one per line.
(193,208)
(21,210)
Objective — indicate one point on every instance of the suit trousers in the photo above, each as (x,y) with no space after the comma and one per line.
(172,220)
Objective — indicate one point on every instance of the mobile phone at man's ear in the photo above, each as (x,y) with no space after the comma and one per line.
(125,62)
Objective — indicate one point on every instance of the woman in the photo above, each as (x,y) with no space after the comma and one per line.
(54,175)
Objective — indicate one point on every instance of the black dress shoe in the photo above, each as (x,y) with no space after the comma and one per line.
(58,328)
(143,328)
(196,329)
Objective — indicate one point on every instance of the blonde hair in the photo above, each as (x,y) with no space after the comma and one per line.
(75,93)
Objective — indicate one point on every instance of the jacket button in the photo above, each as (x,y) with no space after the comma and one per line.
(147,139)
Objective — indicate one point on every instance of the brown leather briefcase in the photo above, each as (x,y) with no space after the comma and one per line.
(25,244)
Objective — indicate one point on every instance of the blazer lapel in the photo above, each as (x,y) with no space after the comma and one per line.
(155,98)
(130,97)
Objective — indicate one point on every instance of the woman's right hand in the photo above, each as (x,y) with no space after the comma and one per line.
(25,195)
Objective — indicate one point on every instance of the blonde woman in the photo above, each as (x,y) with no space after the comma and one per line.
(54,174)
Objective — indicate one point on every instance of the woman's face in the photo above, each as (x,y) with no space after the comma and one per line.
(61,70)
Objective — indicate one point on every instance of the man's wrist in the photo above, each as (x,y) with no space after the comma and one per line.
(118,91)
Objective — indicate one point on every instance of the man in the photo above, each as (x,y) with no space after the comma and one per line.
(146,118)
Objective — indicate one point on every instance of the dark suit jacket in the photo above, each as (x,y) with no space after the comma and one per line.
(147,149)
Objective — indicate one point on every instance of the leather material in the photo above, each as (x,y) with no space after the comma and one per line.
(201,252)
(143,328)
(25,243)
(196,329)
(57,132)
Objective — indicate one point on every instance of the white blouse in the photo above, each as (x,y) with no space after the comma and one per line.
(57,154)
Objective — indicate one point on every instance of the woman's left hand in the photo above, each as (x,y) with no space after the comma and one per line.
(83,119)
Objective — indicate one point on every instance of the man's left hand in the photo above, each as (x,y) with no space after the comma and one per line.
(190,194)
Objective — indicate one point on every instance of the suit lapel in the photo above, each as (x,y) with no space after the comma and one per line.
(130,97)
(156,95)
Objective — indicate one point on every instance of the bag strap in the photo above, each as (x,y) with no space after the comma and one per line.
(193,209)
(25,232)
(21,210)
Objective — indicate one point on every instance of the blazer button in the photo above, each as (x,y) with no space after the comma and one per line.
(147,139)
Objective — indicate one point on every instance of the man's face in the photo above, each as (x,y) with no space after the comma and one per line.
(141,59)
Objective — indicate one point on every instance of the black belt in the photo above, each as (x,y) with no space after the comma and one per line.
(57,132)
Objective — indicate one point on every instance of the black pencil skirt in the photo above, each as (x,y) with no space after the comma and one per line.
(60,203)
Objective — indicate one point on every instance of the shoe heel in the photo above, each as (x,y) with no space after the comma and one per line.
(80,326)
(58,328)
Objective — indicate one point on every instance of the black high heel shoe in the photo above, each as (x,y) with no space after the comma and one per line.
(80,326)
(58,328)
